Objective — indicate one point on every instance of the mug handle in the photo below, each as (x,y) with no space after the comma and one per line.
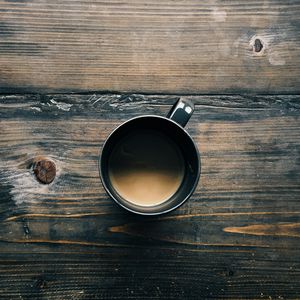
(181,111)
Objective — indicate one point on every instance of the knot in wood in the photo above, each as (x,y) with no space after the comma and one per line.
(258,45)
(44,170)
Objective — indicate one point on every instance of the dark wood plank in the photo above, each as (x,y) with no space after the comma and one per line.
(167,47)
(237,237)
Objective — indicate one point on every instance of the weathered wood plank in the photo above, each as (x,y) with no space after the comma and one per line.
(140,46)
(237,237)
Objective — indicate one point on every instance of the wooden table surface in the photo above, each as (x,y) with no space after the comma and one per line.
(71,71)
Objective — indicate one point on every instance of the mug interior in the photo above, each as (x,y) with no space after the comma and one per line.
(183,141)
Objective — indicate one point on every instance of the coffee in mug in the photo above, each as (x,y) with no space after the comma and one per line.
(146,167)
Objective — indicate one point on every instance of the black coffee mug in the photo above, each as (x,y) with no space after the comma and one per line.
(171,126)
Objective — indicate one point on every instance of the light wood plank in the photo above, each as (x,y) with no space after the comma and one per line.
(141,46)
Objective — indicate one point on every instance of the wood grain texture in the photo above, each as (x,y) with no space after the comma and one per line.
(237,237)
(168,46)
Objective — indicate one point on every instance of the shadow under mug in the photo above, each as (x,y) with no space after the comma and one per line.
(173,127)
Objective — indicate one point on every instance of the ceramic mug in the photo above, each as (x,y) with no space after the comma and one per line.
(171,126)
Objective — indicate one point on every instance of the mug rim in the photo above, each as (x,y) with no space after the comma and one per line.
(158,212)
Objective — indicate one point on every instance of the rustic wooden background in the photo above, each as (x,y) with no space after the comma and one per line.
(164,46)
(71,71)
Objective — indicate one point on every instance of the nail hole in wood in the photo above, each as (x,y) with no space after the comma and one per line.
(258,45)
(44,170)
